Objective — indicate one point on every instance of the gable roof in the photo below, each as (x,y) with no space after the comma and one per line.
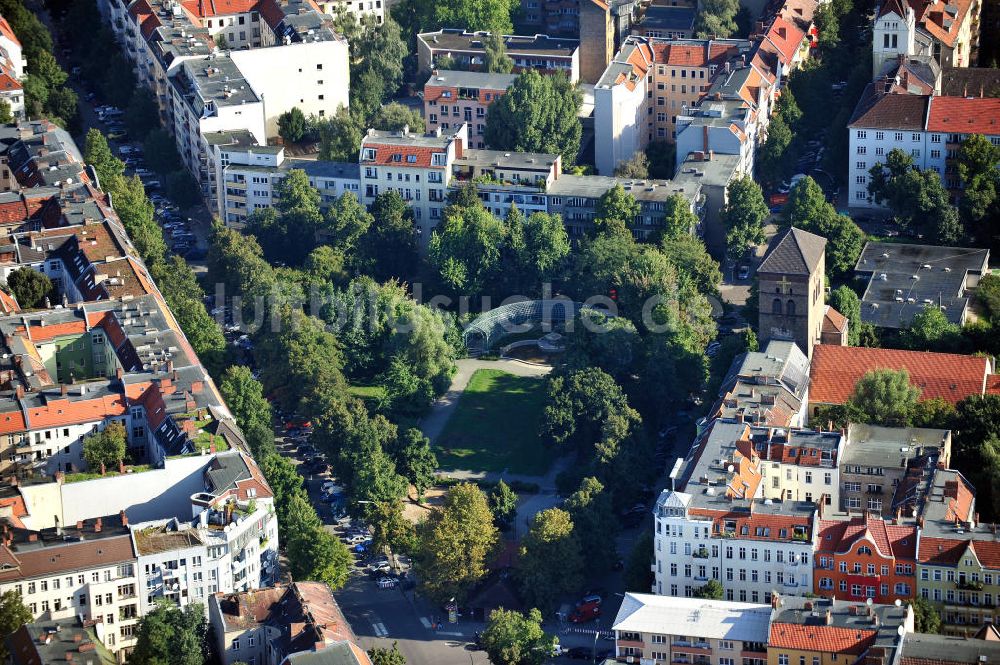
(794,252)
(828,639)
(964,115)
(836,369)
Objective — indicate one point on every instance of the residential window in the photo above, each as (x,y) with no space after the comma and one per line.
(862,150)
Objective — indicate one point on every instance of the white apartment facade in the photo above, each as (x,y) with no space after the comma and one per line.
(417,167)
(928,128)
(359,8)
(752,552)
(100,585)
(656,629)
(12,64)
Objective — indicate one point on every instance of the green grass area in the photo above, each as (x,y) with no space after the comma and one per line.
(370,395)
(496,425)
(87,475)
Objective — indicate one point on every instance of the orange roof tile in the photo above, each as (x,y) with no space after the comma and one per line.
(840,536)
(828,639)
(833,321)
(836,369)
(964,115)
(59,412)
(8,31)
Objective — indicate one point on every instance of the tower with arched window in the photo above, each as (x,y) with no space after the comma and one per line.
(791,288)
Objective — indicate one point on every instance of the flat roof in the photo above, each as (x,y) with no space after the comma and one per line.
(874,445)
(512,160)
(709,619)
(459,40)
(661,17)
(906,278)
(649,190)
(456,78)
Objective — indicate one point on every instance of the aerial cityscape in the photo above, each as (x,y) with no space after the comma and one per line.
(500,332)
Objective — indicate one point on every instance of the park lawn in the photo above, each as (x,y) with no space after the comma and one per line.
(370,395)
(495,426)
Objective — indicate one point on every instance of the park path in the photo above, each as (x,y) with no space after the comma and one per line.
(433,423)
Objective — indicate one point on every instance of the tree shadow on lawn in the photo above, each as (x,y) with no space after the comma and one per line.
(496,426)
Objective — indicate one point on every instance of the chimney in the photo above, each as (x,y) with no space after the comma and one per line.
(97,525)
(119,373)
(808,606)
(740,418)
(710,155)
(79,524)
(59,476)
(829,617)
(19,392)
(63,389)
(32,537)
(170,366)
(77,637)
(775,601)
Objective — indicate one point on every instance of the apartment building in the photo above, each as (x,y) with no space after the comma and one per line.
(231,544)
(880,466)
(57,641)
(865,557)
(283,50)
(946,276)
(948,32)
(801,465)
(467,50)
(958,559)
(12,64)
(929,128)
(824,631)
(249,172)
(648,85)
(86,569)
(717,525)
(274,625)
(766,387)
(359,8)
(452,98)
(690,631)
(416,166)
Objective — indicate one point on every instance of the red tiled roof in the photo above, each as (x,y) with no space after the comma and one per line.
(993,384)
(8,31)
(59,412)
(833,321)
(773,523)
(840,536)
(836,369)
(964,115)
(931,16)
(13,509)
(791,42)
(9,83)
(828,639)
(12,421)
(385,152)
(47,561)
(205,8)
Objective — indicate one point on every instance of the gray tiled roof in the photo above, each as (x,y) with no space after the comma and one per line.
(793,252)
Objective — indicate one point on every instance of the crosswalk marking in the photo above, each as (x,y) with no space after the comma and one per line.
(426,622)
(380,629)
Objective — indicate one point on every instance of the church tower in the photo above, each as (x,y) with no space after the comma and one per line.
(893,35)
(790,279)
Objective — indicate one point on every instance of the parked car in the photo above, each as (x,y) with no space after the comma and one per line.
(579,653)
(744,272)
(331,487)
(387,583)
(586,612)
(590,598)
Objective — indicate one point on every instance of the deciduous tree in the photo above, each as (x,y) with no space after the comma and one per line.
(455,544)
(292,125)
(512,638)
(13,615)
(537,114)
(884,397)
(551,561)
(503,503)
(106,447)
(744,216)
(30,287)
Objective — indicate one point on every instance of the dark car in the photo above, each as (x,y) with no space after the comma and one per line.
(579,653)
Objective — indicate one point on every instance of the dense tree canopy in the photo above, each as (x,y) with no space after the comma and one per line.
(537,114)
(168,635)
(744,216)
(512,638)
(551,561)
(917,197)
(105,448)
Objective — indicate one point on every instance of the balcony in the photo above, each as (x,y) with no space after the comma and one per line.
(635,644)
(969,585)
(700,554)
